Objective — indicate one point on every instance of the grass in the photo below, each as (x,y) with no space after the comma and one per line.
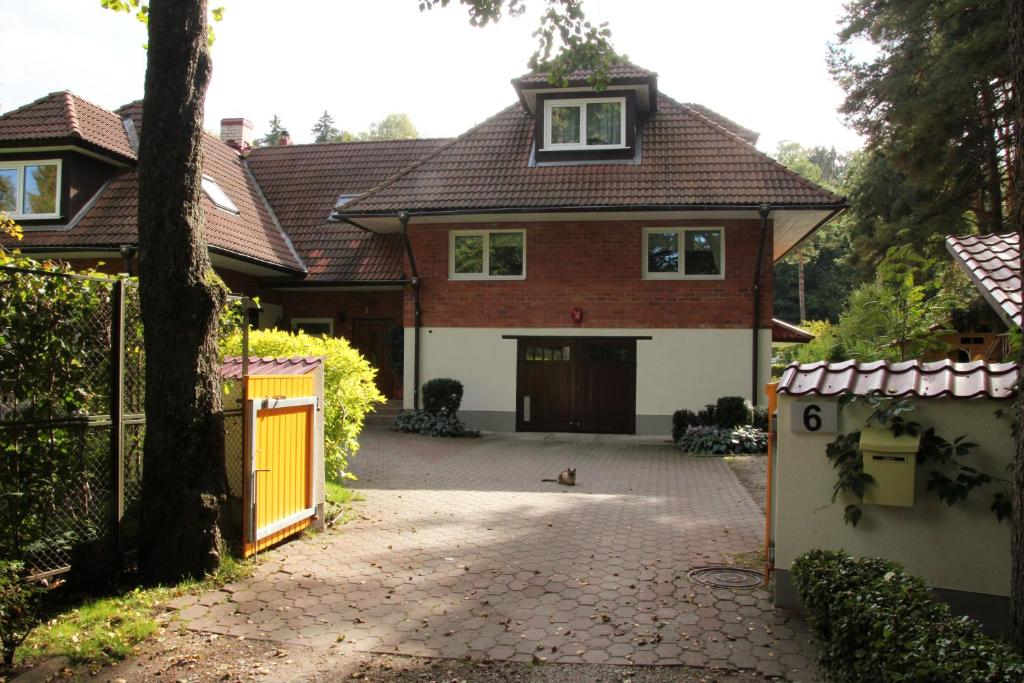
(340,501)
(97,630)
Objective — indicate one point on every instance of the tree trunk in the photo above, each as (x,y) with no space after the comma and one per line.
(1016,24)
(994,176)
(800,290)
(183,460)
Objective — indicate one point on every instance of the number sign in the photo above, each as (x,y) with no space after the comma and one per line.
(815,417)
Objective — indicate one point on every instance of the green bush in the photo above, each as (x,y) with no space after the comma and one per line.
(732,411)
(429,424)
(19,607)
(759,417)
(349,389)
(876,623)
(681,421)
(442,396)
(718,441)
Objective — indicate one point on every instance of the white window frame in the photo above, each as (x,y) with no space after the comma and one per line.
(295,322)
(581,103)
(19,199)
(219,202)
(681,237)
(452,234)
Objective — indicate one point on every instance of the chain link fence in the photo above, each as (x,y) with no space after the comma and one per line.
(72,418)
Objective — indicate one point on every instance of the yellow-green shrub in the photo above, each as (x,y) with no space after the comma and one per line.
(349,391)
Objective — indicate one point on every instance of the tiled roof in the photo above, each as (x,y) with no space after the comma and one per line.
(268,365)
(617,72)
(303,182)
(993,264)
(725,122)
(911,378)
(112,220)
(784,332)
(62,116)
(687,159)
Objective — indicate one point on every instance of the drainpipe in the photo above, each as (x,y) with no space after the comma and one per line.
(763,212)
(403,218)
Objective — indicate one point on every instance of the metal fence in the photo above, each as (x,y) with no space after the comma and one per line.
(72,442)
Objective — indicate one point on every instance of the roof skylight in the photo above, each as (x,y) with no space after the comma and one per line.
(218,196)
(344,199)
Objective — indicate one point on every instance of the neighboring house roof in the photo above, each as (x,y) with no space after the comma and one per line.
(62,117)
(993,264)
(616,73)
(687,160)
(783,332)
(941,379)
(111,219)
(267,365)
(303,183)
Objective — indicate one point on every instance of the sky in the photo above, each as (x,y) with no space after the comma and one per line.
(760,63)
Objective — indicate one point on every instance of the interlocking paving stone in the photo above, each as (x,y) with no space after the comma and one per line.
(460,549)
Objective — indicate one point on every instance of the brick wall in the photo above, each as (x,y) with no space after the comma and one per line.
(596,267)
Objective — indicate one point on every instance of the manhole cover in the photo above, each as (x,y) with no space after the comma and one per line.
(726,577)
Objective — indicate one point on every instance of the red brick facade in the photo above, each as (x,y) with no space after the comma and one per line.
(595,266)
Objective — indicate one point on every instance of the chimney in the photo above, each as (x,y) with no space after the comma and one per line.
(285,139)
(237,133)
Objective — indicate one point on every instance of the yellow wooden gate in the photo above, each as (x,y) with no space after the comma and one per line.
(280,412)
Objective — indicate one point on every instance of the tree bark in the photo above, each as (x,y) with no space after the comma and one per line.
(994,177)
(800,291)
(1015,9)
(183,459)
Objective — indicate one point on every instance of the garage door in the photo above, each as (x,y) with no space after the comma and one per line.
(576,385)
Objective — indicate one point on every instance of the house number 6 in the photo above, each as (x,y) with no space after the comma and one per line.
(815,417)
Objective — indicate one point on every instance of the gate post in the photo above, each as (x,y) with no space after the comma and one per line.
(117,312)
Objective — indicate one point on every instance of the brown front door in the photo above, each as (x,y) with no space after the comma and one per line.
(373,339)
(576,385)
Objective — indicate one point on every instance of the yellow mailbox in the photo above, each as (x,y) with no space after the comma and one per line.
(892,461)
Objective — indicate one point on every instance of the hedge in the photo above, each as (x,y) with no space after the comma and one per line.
(874,622)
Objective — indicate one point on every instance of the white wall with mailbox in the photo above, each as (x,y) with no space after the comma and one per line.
(962,550)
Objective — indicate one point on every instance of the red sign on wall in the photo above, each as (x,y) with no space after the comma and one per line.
(577,315)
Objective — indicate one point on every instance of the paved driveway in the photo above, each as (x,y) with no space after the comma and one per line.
(463,551)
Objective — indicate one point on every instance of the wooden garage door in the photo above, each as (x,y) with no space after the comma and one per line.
(576,385)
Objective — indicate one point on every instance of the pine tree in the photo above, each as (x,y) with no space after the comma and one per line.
(273,136)
(323,130)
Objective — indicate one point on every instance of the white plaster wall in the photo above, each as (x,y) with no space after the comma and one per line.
(960,547)
(677,368)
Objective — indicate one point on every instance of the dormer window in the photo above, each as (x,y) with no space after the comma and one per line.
(30,190)
(219,198)
(585,124)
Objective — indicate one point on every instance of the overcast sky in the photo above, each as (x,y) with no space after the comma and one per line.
(759,63)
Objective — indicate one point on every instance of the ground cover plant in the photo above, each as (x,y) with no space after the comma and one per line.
(731,426)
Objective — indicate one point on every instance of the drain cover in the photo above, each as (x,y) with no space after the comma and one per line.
(726,577)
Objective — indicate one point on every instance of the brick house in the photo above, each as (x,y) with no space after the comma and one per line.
(581,261)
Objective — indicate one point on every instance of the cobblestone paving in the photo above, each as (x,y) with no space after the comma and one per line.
(463,551)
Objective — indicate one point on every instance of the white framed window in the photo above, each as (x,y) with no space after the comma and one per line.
(315,327)
(585,124)
(684,253)
(219,198)
(487,255)
(30,189)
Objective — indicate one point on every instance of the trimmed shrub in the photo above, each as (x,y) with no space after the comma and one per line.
(429,424)
(874,622)
(349,389)
(706,416)
(718,441)
(732,411)
(442,396)
(681,421)
(759,417)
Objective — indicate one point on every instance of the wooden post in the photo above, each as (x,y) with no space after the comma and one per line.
(117,314)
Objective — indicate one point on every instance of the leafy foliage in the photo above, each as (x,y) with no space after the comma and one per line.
(19,607)
(442,396)
(432,424)
(719,441)
(324,130)
(732,411)
(876,623)
(274,135)
(349,390)
(140,9)
(952,481)
(682,420)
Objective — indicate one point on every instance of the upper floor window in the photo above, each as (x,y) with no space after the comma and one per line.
(487,255)
(677,253)
(585,124)
(30,189)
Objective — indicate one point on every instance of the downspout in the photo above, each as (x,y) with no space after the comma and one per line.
(763,212)
(403,218)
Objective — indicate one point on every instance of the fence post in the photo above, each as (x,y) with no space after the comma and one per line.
(117,406)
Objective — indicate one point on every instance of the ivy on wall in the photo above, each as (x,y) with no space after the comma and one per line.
(951,476)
